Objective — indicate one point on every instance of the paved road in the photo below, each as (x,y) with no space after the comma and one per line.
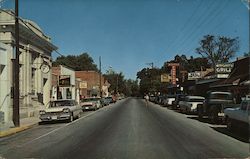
(126,130)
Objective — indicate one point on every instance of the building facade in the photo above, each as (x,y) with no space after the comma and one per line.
(35,63)
(64,83)
(90,83)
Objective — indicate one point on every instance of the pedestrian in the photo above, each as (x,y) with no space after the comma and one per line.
(146,99)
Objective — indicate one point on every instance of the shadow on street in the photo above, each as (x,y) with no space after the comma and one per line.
(239,135)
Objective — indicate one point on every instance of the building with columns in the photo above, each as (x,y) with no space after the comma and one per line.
(35,66)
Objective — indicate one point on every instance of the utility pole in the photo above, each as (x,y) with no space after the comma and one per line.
(16,116)
(100,77)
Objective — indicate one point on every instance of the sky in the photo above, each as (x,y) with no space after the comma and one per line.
(129,34)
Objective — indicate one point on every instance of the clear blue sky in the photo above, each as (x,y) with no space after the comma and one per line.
(130,33)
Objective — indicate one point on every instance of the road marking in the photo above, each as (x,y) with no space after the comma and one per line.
(58,129)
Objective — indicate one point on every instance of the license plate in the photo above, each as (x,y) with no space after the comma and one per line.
(86,107)
(54,117)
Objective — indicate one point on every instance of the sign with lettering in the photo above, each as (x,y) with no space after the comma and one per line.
(223,70)
(165,78)
(194,75)
(173,71)
(64,80)
(83,85)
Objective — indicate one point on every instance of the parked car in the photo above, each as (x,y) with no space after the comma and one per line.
(61,110)
(105,101)
(214,105)
(190,104)
(178,98)
(238,117)
(92,103)
(168,100)
(111,99)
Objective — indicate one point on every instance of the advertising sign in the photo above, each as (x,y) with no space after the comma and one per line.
(173,71)
(194,75)
(64,80)
(83,85)
(223,70)
(165,78)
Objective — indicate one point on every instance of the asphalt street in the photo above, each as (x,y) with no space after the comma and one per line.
(125,130)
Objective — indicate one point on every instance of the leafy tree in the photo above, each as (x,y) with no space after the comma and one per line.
(81,62)
(218,49)
(247,54)
(116,81)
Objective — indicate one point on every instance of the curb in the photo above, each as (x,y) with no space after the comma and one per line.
(12,131)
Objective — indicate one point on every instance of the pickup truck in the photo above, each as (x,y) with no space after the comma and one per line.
(214,105)
(238,117)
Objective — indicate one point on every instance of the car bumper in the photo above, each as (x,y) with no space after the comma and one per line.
(88,107)
(55,117)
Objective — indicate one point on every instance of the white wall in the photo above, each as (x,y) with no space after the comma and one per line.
(67,71)
(5,83)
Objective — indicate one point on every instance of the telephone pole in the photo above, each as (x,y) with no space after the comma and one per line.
(100,69)
(16,115)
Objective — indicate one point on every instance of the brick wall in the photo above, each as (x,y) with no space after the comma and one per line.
(91,77)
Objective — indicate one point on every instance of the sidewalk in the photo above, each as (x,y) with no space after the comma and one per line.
(25,123)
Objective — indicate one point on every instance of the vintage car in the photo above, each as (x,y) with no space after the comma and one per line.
(61,110)
(92,103)
(190,104)
(214,105)
(238,118)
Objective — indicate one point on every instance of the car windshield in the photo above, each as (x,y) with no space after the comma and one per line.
(61,103)
(195,100)
(222,96)
(90,99)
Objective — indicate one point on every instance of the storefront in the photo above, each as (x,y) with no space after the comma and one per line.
(238,82)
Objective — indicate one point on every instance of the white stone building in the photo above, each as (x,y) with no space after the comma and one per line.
(35,80)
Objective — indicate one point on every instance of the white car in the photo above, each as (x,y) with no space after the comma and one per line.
(190,104)
(238,117)
(92,103)
(169,100)
(61,110)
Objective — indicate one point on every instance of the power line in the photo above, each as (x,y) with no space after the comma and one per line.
(202,21)
(185,24)
(214,14)
(25,23)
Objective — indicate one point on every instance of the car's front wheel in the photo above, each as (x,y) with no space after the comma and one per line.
(71,118)
(229,124)
(200,112)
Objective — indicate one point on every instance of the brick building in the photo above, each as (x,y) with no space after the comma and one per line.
(90,83)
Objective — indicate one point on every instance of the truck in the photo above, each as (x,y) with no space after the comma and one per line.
(238,117)
(214,105)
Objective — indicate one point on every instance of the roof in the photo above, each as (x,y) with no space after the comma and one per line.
(239,76)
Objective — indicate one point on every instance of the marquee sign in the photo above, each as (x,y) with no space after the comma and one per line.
(194,75)
(223,70)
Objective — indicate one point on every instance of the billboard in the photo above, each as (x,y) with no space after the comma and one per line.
(223,70)
(64,81)
(83,85)
(165,78)
(194,75)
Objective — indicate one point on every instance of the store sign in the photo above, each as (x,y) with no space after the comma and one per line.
(165,78)
(173,71)
(83,85)
(194,75)
(64,80)
(223,70)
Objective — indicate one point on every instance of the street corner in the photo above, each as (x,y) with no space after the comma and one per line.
(15,130)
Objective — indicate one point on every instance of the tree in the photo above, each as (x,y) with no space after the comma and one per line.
(247,54)
(218,49)
(116,81)
(81,62)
